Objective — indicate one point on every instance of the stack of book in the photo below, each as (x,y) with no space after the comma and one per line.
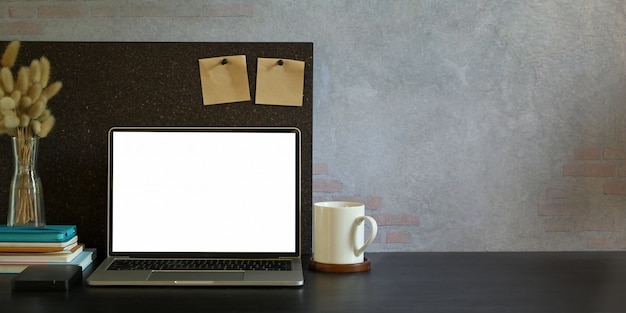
(53,244)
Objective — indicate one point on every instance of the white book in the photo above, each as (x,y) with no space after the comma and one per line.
(84,259)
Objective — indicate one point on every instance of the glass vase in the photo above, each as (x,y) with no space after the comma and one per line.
(26,205)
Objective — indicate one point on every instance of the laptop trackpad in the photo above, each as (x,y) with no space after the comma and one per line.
(195,276)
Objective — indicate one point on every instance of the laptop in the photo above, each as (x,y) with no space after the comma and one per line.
(202,206)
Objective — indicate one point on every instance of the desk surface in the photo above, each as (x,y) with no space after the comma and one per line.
(398,282)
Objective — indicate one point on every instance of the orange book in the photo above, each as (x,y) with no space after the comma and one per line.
(59,256)
(37,249)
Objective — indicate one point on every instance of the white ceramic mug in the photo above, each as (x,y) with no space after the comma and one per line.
(338,232)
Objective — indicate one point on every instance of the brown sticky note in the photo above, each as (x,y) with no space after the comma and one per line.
(279,82)
(224,79)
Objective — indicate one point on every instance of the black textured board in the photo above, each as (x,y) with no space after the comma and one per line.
(109,84)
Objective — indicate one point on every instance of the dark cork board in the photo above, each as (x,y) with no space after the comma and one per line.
(109,84)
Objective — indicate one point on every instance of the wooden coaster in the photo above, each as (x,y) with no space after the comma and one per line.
(340,268)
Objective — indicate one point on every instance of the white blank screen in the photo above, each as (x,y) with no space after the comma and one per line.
(197,191)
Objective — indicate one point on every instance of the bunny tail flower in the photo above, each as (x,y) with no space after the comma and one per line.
(7,79)
(46,126)
(35,71)
(10,120)
(35,126)
(26,102)
(16,95)
(44,63)
(37,108)
(7,103)
(10,54)
(52,90)
(24,120)
(24,96)
(22,82)
(35,91)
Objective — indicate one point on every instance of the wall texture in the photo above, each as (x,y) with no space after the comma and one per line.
(463,125)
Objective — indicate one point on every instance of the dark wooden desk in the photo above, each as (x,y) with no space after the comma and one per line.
(398,282)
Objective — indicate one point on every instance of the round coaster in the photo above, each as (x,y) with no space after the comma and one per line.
(340,268)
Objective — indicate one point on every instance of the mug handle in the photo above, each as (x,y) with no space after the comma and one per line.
(357,222)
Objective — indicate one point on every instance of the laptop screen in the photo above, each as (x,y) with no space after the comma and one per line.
(204,191)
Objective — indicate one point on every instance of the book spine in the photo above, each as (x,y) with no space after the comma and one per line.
(84,259)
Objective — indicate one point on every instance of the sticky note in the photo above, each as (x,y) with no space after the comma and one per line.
(279,82)
(224,79)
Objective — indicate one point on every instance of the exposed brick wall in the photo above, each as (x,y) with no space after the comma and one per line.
(21,28)
(30,18)
(393,228)
(589,170)
(585,201)
(614,188)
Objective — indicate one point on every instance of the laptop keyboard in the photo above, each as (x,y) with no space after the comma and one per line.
(203,264)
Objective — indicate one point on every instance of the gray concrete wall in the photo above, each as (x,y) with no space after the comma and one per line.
(464,125)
